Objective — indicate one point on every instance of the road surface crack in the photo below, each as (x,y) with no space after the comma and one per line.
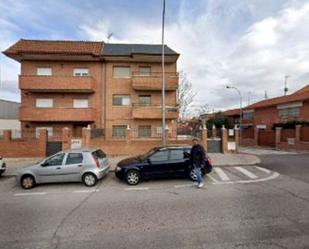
(55,238)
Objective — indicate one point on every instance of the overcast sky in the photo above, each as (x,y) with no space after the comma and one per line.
(250,44)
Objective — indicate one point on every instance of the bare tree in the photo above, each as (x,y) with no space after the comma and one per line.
(202,109)
(186,95)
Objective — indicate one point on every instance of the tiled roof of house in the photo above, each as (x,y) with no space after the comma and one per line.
(232,112)
(114,49)
(299,95)
(84,48)
(55,47)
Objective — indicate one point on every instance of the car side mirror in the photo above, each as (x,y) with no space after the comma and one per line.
(44,164)
(148,160)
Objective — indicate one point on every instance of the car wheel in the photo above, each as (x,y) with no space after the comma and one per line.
(133,177)
(89,179)
(192,175)
(27,182)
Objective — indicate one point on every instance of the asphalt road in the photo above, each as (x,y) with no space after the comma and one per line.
(160,214)
(295,166)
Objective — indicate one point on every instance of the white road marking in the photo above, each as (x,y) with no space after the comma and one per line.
(273,176)
(136,188)
(221,174)
(246,172)
(212,179)
(263,169)
(30,194)
(183,185)
(86,191)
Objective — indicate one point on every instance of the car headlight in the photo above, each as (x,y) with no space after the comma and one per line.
(118,168)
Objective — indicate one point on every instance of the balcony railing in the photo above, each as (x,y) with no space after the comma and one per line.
(153,81)
(37,83)
(154,112)
(56,114)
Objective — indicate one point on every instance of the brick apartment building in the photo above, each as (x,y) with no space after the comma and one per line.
(282,109)
(76,84)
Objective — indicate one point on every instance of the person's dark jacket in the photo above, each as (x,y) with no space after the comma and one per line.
(197,155)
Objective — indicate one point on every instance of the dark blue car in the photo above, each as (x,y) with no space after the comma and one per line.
(168,161)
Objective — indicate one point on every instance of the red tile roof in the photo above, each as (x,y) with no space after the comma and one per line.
(232,112)
(300,95)
(55,47)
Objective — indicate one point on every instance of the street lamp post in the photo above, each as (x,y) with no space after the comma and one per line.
(163,77)
(240,105)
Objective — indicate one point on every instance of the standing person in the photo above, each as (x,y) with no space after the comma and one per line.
(197,157)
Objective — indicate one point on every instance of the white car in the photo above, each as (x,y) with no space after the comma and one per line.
(2,165)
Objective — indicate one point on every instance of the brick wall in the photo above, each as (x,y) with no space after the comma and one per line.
(285,139)
(31,147)
(270,115)
(304,134)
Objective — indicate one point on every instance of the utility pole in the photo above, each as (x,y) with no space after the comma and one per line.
(286,84)
(240,106)
(265,95)
(163,77)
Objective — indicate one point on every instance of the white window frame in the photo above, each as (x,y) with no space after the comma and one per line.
(120,76)
(81,72)
(44,71)
(80,103)
(140,73)
(44,103)
(48,128)
(124,98)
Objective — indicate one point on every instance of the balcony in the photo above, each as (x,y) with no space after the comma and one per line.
(153,82)
(154,112)
(56,114)
(37,83)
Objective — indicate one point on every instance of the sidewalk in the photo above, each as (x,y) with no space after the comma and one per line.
(218,159)
(265,151)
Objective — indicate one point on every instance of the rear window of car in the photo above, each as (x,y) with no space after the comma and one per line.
(99,154)
(74,158)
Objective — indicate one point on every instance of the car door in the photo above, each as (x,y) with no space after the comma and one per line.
(50,170)
(72,168)
(177,163)
(157,164)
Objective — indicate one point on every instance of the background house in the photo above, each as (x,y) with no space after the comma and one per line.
(266,113)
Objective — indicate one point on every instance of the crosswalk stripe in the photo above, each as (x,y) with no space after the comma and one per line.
(222,175)
(212,179)
(246,172)
(263,169)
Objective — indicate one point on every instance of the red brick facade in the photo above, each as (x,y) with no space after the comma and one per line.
(99,87)
(268,112)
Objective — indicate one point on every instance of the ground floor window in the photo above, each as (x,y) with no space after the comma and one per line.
(119,131)
(144,131)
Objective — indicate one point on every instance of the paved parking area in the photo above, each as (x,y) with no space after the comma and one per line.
(220,175)
(218,159)
(159,214)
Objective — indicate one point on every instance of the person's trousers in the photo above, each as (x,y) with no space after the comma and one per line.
(198,173)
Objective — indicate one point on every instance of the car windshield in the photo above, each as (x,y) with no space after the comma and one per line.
(143,157)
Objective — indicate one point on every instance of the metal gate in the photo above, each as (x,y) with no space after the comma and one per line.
(267,138)
(53,147)
(214,145)
(54,143)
